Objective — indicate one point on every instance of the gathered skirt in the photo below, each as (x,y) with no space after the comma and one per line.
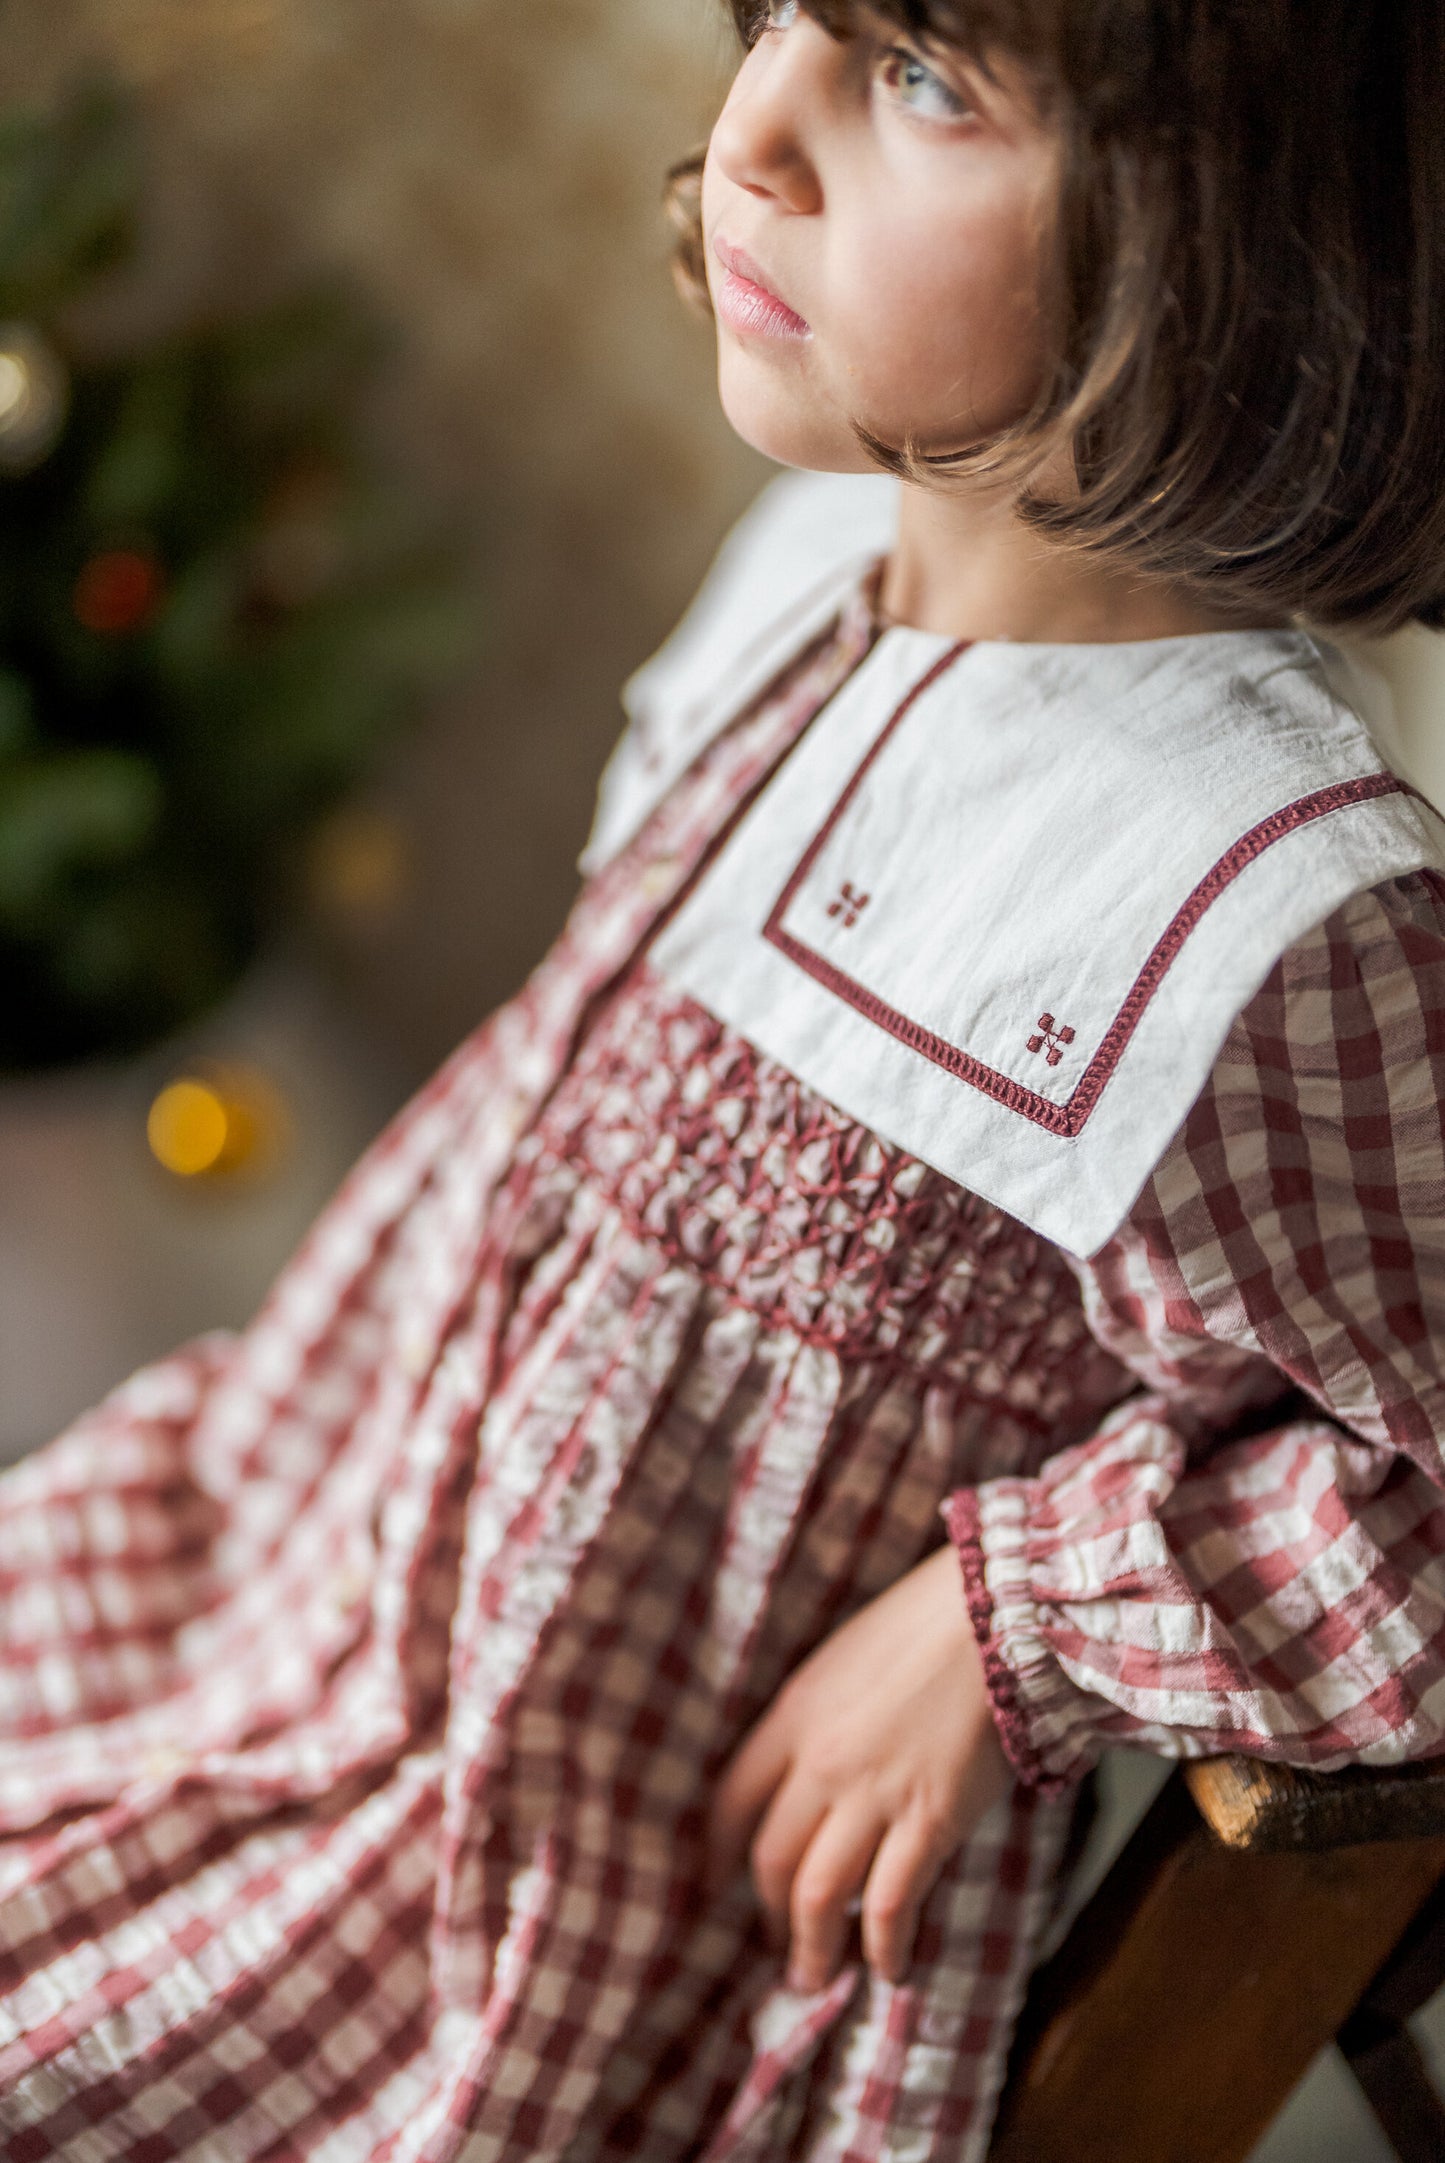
(366,1675)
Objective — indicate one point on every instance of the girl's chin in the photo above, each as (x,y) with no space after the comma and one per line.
(788,429)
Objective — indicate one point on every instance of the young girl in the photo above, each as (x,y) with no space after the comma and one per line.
(519,1700)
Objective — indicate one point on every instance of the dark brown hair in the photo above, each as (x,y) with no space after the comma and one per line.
(1249,352)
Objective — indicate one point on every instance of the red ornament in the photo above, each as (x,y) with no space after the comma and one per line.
(118,591)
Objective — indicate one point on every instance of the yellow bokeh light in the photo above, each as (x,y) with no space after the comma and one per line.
(217,1123)
(188,1128)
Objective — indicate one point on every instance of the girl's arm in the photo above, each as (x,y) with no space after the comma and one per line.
(1217,1570)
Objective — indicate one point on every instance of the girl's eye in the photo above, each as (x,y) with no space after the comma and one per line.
(914,84)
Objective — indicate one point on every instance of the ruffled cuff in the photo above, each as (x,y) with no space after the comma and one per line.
(1045,1722)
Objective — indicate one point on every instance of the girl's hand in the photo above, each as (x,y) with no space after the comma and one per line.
(872,1765)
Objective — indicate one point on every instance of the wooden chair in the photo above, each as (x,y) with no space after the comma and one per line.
(1255,1914)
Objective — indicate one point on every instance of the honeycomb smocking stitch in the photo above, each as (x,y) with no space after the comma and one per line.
(722,1156)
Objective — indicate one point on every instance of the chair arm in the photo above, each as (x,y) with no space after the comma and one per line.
(1274,1809)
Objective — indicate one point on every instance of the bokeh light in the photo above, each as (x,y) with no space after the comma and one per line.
(217,1125)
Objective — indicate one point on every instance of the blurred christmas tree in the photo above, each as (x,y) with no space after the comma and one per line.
(209,616)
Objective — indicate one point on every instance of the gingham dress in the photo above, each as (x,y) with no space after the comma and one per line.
(366,1676)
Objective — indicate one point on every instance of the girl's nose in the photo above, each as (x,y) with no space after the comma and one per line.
(761,141)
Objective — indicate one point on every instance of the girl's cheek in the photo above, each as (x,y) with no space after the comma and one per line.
(710,191)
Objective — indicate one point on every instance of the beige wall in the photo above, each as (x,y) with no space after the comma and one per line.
(489,170)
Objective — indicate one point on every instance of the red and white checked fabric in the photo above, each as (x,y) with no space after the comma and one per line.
(1283,1593)
(365,1677)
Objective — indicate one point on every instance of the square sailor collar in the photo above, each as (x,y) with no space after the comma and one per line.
(1002,904)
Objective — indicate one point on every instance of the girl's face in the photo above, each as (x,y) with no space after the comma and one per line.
(878,223)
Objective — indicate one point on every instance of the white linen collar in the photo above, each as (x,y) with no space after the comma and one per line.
(1003,903)
(780,580)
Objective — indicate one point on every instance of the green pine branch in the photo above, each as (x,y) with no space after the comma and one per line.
(171,729)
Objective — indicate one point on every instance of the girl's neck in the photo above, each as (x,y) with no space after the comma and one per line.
(967,566)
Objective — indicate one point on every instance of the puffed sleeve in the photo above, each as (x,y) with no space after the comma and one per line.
(1249,1555)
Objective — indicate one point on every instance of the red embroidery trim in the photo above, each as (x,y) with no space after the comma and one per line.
(849,905)
(1069,1119)
(819,841)
(1051,1040)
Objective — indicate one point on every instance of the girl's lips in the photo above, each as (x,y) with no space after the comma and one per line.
(746,304)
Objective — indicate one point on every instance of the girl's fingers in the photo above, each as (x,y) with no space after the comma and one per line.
(824,1890)
(782,1840)
(904,1871)
(743,1793)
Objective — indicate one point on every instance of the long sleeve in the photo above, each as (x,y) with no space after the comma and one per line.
(1249,1555)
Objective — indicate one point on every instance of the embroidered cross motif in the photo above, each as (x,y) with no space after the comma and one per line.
(849,905)
(1051,1039)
